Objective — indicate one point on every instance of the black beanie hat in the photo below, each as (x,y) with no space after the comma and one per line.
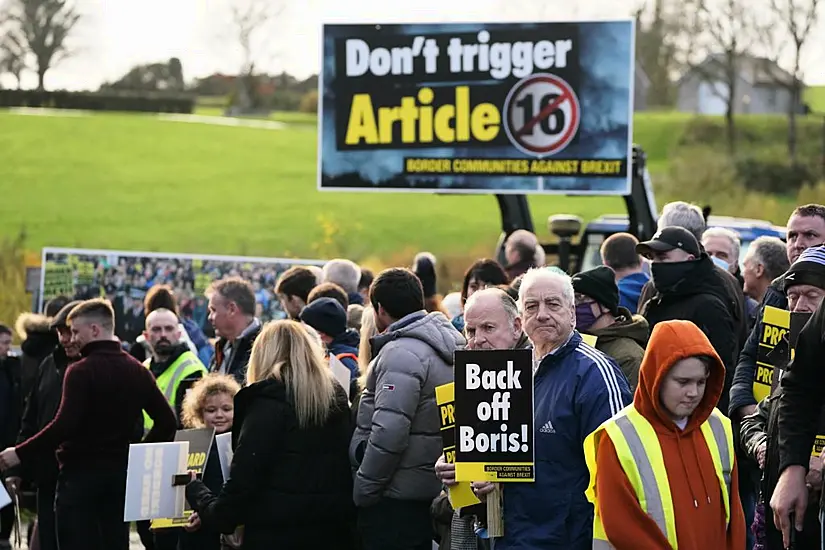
(325,315)
(808,269)
(60,320)
(600,284)
(424,269)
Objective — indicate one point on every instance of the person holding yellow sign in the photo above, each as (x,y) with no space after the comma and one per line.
(663,471)
(804,286)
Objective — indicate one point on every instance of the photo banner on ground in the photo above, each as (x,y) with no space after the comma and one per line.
(494,415)
(124,277)
(466,108)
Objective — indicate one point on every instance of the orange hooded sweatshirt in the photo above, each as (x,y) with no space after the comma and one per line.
(697,498)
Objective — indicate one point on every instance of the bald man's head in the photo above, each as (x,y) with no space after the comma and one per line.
(491,320)
(520,247)
(162,331)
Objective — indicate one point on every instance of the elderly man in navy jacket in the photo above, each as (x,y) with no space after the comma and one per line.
(576,389)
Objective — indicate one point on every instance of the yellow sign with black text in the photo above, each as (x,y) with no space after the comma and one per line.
(460,494)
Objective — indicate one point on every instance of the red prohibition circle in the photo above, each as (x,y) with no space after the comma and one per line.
(567,95)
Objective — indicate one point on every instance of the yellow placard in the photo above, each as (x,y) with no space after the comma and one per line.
(589,339)
(460,494)
(775,325)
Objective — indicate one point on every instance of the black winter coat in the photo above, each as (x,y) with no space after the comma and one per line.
(238,359)
(39,341)
(702,298)
(41,409)
(289,487)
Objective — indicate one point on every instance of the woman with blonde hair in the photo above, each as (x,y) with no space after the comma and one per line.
(290,471)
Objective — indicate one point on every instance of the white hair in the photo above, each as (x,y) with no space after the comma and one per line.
(318,272)
(725,233)
(548,275)
(452,303)
(343,273)
(685,215)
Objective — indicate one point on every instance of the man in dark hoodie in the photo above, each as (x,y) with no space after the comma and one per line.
(329,320)
(689,288)
(620,334)
(40,409)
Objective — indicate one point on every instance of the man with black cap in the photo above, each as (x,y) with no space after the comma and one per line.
(41,408)
(620,334)
(329,319)
(688,287)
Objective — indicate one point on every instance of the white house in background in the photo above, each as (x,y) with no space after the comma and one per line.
(703,90)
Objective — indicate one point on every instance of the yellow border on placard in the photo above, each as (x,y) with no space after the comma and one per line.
(477,471)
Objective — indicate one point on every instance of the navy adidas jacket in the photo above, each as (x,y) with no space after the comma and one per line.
(576,389)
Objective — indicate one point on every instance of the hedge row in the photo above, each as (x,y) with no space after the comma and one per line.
(99,101)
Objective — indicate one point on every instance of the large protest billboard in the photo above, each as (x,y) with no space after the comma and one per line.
(124,277)
(474,107)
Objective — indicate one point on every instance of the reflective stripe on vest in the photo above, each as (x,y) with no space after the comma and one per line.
(169,381)
(640,454)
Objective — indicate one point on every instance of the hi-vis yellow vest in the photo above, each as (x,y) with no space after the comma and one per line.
(184,366)
(640,455)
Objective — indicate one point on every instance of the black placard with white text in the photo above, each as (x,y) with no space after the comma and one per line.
(494,415)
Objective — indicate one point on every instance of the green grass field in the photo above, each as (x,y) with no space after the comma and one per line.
(133,182)
(815,97)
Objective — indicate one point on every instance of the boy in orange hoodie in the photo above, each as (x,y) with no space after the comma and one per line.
(678,450)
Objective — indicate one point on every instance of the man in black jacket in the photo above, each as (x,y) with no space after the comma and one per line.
(806,228)
(40,409)
(232,313)
(800,406)
(689,287)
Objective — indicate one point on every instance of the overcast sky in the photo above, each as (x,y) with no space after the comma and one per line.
(115,35)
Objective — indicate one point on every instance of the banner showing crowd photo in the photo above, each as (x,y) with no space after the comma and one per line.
(504,108)
(125,277)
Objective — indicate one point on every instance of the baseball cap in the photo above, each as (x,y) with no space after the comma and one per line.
(667,239)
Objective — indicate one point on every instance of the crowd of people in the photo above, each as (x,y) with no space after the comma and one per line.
(651,437)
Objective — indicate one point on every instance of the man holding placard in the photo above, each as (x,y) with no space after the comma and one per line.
(104,395)
(575,389)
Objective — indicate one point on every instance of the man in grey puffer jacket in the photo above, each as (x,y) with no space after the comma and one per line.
(398,435)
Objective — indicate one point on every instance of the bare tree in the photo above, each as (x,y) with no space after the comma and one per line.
(252,20)
(791,24)
(42,27)
(663,38)
(724,31)
(12,57)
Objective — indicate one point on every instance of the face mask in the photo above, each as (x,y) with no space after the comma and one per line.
(669,275)
(584,316)
(721,263)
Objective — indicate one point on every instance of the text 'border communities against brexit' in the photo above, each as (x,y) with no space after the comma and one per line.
(510,108)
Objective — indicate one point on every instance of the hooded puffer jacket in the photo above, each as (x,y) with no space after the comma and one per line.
(699,511)
(39,341)
(396,459)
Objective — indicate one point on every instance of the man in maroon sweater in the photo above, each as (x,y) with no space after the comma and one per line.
(104,395)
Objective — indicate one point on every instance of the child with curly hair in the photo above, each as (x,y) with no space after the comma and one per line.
(210,404)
